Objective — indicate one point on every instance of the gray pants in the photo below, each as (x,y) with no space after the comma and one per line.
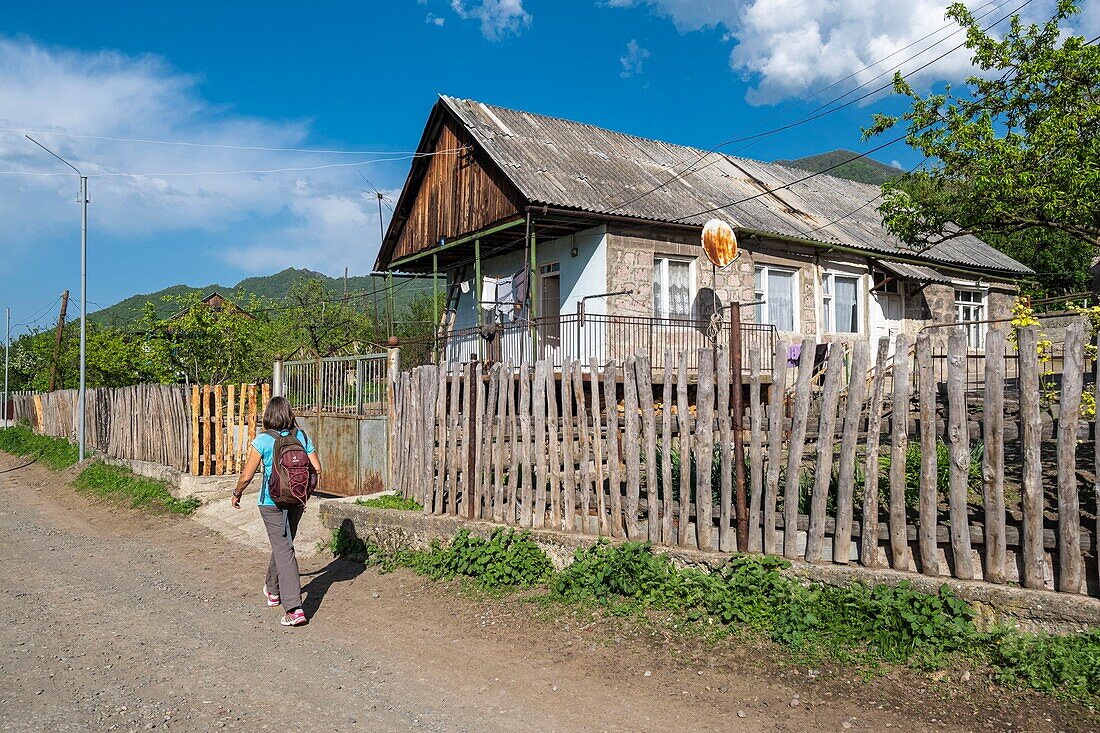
(282,570)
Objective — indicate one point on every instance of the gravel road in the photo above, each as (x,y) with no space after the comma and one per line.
(118,620)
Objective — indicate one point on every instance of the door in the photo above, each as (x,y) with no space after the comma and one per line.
(549,310)
(887,309)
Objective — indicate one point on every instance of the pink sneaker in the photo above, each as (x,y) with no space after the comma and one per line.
(272,600)
(296,617)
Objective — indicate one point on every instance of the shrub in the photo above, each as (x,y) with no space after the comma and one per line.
(121,484)
(55,453)
(508,559)
(391,501)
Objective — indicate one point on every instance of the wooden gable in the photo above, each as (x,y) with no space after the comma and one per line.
(455,191)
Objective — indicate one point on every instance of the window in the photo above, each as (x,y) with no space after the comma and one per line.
(840,302)
(970,307)
(671,288)
(778,288)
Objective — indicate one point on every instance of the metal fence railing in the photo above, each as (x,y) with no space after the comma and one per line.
(575,337)
(353,385)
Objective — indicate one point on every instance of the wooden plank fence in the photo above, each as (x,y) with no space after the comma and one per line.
(145,422)
(616,450)
(205,433)
(223,421)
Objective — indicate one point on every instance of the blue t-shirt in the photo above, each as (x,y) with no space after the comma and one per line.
(265,446)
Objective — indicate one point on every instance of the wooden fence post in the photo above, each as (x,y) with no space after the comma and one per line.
(796,446)
(614,488)
(868,555)
(538,404)
(631,453)
(584,446)
(195,430)
(666,450)
(776,419)
(219,431)
(826,438)
(929,493)
(1071,566)
(683,424)
(597,446)
(756,452)
(846,471)
(704,451)
(993,457)
(725,441)
(899,443)
(649,439)
(959,437)
(528,458)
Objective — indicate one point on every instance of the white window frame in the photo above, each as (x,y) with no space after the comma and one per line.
(975,333)
(828,301)
(763,312)
(661,262)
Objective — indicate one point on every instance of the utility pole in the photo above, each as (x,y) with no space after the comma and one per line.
(7,359)
(57,341)
(83,401)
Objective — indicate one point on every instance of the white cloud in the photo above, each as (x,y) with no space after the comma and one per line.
(498,18)
(790,47)
(634,60)
(433,19)
(314,219)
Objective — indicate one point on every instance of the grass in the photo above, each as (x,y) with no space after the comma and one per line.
(123,485)
(98,479)
(391,501)
(857,625)
(55,453)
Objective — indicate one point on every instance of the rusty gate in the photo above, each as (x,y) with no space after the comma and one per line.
(341,402)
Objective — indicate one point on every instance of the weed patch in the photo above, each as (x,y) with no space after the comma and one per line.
(391,501)
(852,624)
(55,453)
(121,484)
(508,559)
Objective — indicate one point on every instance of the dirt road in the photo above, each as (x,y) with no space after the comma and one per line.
(121,621)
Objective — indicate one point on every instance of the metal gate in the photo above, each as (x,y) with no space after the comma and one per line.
(341,402)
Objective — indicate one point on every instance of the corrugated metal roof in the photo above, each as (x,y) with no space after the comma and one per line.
(573,165)
(920,273)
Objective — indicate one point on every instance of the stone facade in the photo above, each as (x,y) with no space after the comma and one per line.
(630,255)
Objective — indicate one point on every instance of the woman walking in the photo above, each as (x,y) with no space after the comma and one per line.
(284,585)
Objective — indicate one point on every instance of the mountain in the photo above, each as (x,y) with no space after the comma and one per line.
(269,287)
(863,170)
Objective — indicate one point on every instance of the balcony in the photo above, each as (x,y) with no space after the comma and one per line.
(587,338)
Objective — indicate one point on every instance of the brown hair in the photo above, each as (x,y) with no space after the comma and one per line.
(278,415)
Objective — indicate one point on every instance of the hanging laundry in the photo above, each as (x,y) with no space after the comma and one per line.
(505,299)
(464,286)
(519,287)
(488,293)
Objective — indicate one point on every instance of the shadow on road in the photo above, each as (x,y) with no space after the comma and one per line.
(337,571)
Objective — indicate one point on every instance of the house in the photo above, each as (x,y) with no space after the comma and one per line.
(605,228)
(217,304)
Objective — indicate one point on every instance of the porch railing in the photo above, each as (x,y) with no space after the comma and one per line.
(561,339)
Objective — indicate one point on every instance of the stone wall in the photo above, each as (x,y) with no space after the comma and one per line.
(630,256)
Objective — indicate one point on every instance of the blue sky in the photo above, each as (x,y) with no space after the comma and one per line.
(358,76)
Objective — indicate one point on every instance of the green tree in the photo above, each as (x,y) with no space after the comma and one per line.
(316,322)
(1014,156)
(208,346)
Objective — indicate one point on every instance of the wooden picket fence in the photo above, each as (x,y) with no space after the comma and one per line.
(606,449)
(224,419)
(145,422)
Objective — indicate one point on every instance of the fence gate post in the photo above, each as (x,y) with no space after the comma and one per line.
(393,369)
(277,377)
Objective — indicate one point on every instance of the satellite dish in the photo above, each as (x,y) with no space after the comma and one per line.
(719,243)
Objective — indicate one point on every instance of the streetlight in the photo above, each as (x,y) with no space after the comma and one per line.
(83,289)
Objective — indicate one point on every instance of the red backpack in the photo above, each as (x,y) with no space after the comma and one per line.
(293,478)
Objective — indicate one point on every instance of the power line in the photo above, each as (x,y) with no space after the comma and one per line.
(191,144)
(260,171)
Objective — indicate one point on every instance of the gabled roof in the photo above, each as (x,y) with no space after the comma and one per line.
(572,165)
